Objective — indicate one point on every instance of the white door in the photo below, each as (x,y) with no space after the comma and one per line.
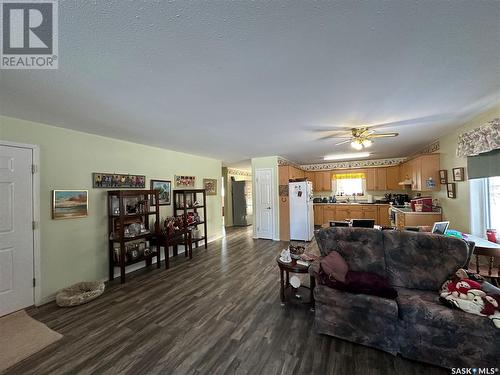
(264,209)
(16,231)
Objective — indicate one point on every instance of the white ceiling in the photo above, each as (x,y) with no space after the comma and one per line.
(235,80)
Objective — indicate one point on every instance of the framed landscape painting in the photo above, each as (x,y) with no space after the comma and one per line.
(164,188)
(69,204)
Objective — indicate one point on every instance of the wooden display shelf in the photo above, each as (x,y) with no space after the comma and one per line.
(118,222)
(187,197)
(132,238)
(137,215)
(142,258)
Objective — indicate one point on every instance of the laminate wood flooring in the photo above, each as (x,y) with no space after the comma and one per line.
(219,313)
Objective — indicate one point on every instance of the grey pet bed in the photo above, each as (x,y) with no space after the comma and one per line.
(79,293)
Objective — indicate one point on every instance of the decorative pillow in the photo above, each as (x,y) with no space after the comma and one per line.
(334,266)
(369,283)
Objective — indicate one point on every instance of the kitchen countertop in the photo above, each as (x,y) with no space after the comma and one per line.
(357,203)
(410,212)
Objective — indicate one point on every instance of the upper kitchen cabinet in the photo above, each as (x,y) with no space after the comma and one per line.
(392,178)
(311,177)
(430,172)
(422,171)
(376,179)
(323,181)
(287,172)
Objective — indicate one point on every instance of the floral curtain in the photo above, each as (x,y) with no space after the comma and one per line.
(483,139)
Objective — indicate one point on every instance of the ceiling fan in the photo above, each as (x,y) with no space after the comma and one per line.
(363,136)
(359,137)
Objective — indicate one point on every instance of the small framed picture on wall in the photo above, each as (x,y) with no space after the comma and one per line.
(451,190)
(458,174)
(443,176)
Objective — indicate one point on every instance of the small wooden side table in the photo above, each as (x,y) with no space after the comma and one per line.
(285,269)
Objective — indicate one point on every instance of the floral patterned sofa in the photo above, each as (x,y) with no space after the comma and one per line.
(415,325)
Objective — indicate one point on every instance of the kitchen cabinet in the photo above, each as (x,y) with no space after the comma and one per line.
(370,179)
(356,212)
(342,213)
(311,177)
(318,215)
(288,172)
(419,170)
(323,181)
(383,216)
(415,219)
(369,212)
(324,213)
(392,178)
(430,170)
(376,179)
(328,214)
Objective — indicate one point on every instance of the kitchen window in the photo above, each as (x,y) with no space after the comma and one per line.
(349,184)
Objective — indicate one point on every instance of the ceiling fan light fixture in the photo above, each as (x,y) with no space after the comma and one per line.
(356,144)
(354,155)
(367,142)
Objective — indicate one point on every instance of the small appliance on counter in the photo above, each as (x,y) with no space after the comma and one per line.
(317,200)
(332,199)
(324,200)
(422,204)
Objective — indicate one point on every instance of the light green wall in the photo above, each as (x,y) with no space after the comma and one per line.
(75,250)
(267,162)
(457,210)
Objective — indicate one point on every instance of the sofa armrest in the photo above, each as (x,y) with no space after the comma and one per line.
(314,269)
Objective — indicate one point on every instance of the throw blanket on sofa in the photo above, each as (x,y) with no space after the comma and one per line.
(469,292)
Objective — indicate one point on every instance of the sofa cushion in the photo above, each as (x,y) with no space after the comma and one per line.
(365,304)
(423,308)
(334,266)
(361,248)
(422,260)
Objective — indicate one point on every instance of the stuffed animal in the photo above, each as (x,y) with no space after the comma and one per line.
(459,288)
(478,303)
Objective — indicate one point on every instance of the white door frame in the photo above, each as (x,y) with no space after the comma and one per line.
(35,190)
(273,200)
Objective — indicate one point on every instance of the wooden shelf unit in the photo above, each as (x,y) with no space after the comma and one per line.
(183,204)
(119,220)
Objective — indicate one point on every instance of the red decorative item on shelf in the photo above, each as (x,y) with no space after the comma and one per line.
(491,234)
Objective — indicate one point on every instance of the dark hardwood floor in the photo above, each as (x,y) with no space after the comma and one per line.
(219,313)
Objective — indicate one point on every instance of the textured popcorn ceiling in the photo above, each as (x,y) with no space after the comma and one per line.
(235,80)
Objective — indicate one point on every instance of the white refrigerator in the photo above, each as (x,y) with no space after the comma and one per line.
(300,196)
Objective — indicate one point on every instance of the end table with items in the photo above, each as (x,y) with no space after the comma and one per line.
(294,267)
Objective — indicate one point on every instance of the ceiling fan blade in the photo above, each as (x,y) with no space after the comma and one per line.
(343,142)
(330,128)
(412,121)
(330,136)
(383,135)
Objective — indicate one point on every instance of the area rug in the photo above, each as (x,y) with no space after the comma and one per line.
(22,336)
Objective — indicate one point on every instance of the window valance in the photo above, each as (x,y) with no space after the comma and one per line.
(345,176)
(483,139)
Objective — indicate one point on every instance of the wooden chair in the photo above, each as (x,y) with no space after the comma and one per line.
(489,270)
